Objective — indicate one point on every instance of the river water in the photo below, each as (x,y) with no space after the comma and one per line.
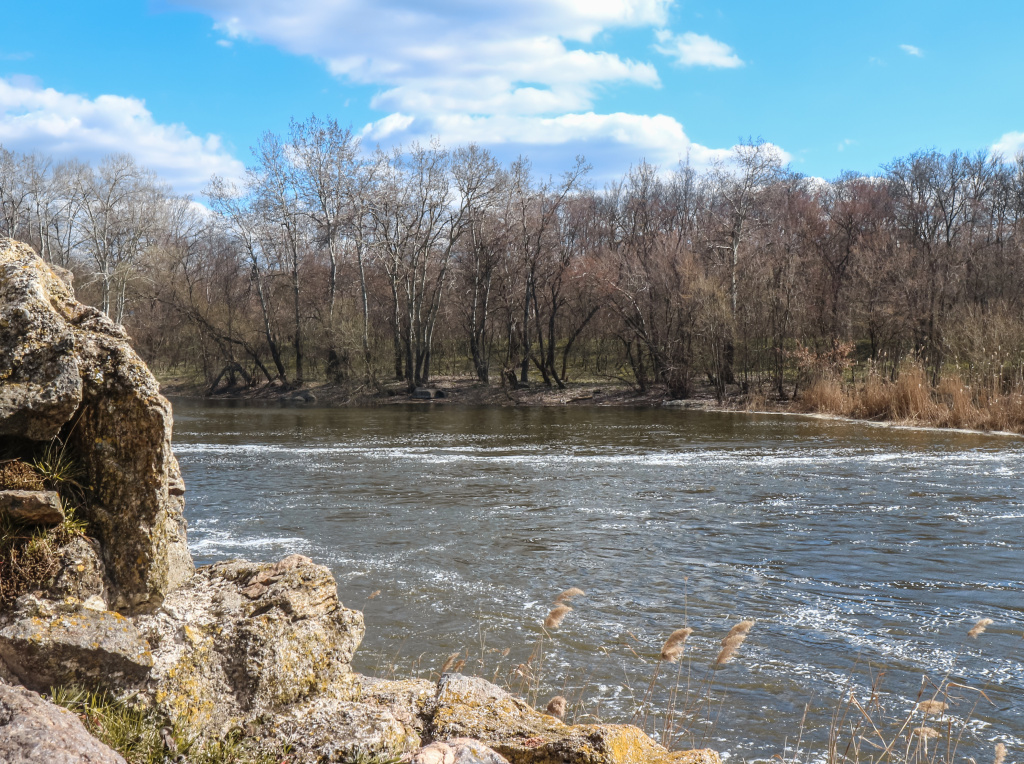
(863,553)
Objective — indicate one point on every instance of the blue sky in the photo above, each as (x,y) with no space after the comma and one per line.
(188,85)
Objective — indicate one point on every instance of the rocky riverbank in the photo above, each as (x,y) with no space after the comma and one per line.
(99,593)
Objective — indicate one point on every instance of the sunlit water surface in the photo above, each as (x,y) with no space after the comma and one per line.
(858,550)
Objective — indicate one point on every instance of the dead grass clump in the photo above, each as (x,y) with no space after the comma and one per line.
(958,401)
(30,556)
(826,395)
(911,396)
(873,400)
(16,475)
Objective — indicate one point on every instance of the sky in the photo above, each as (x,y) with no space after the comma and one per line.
(188,86)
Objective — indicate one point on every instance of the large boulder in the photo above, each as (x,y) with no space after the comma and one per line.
(471,707)
(34,731)
(67,370)
(245,639)
(46,645)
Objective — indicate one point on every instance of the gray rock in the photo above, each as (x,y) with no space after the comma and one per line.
(32,507)
(242,639)
(458,751)
(82,575)
(61,360)
(41,382)
(331,730)
(48,647)
(33,731)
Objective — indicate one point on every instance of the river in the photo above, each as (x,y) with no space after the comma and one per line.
(864,554)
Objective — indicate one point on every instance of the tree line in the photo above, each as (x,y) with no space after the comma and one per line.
(328,261)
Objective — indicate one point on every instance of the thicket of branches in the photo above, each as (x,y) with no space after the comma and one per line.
(362,267)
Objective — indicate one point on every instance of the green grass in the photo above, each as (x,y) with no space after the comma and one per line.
(135,732)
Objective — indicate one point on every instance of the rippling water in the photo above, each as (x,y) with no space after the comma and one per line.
(862,552)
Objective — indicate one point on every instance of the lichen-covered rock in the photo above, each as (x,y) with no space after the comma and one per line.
(332,730)
(66,369)
(48,646)
(470,707)
(40,380)
(32,507)
(33,731)
(242,639)
(81,575)
(408,700)
(458,751)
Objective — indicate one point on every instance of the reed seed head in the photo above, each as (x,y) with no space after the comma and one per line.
(673,647)
(374,594)
(556,706)
(569,594)
(1000,754)
(742,628)
(556,616)
(979,627)
(932,707)
(449,663)
(732,641)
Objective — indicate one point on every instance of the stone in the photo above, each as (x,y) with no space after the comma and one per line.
(32,507)
(331,730)
(458,751)
(244,639)
(81,574)
(64,362)
(470,707)
(48,646)
(406,699)
(33,730)
(40,380)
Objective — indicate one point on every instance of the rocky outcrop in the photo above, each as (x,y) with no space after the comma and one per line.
(33,731)
(46,645)
(246,639)
(67,370)
(470,707)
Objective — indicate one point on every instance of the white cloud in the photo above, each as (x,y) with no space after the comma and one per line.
(912,50)
(692,49)
(225,43)
(453,55)
(844,143)
(524,76)
(1009,145)
(67,125)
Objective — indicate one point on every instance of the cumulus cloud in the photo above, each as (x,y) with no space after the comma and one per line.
(1009,145)
(692,49)
(453,55)
(912,50)
(525,75)
(33,119)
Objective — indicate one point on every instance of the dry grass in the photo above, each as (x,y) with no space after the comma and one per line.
(16,475)
(951,402)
